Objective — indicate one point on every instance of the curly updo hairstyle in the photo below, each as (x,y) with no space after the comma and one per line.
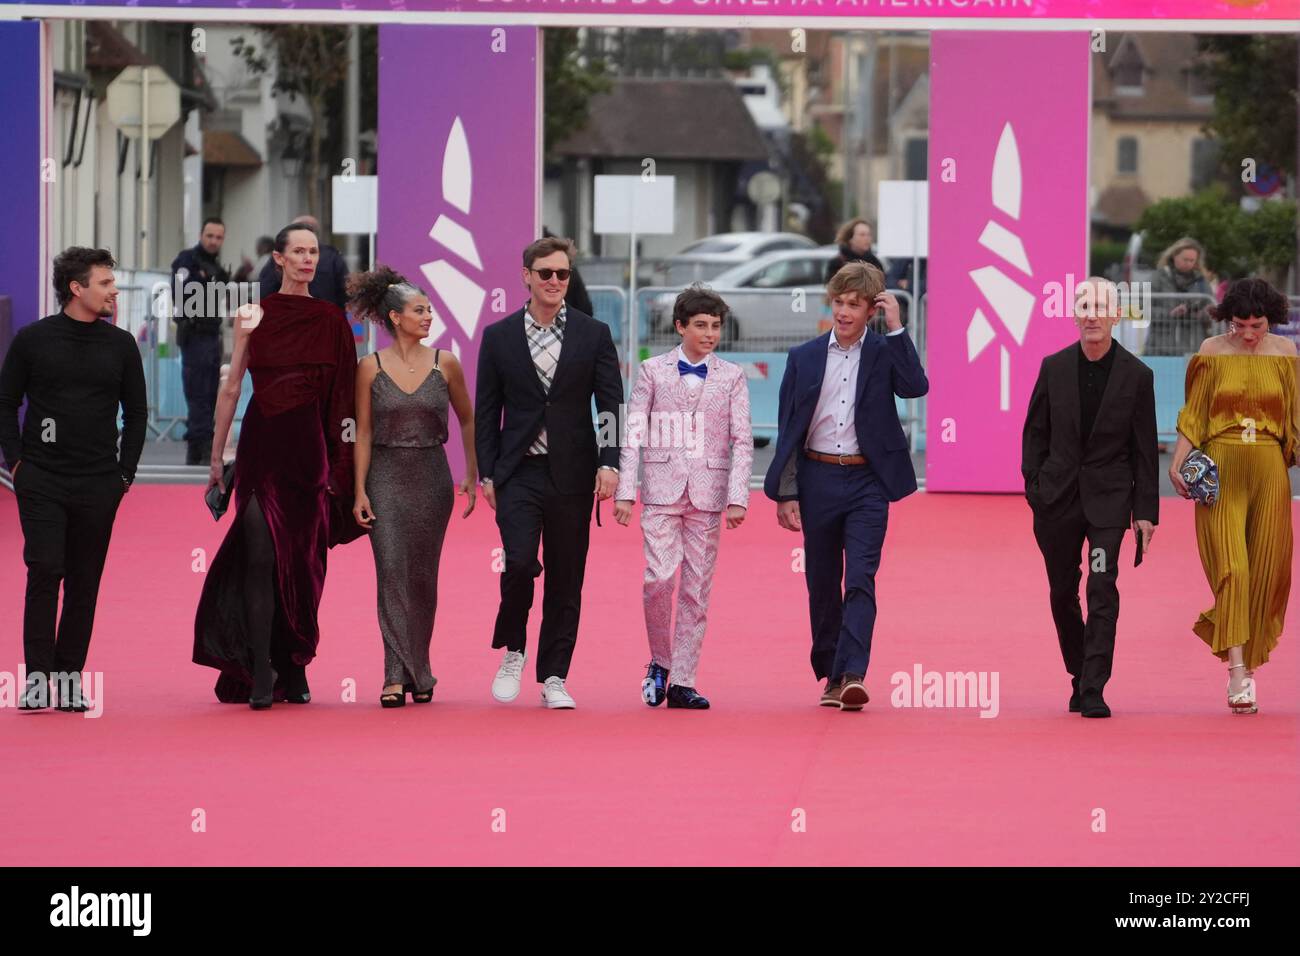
(1251,297)
(372,295)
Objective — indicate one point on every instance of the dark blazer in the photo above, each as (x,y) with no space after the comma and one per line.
(511,407)
(889,367)
(330,281)
(1117,472)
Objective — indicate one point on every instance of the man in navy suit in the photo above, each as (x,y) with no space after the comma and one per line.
(841,458)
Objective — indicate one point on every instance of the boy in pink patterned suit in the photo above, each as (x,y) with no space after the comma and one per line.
(688,422)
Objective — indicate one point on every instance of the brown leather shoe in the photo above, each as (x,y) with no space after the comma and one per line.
(853,693)
(831,695)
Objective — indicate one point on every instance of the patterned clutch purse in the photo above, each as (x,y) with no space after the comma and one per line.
(1201,475)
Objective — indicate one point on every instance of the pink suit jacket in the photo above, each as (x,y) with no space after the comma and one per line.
(706,448)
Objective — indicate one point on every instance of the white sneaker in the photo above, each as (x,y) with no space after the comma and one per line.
(554,696)
(505,686)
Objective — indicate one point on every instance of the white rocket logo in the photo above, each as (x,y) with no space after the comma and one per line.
(462,295)
(1011,302)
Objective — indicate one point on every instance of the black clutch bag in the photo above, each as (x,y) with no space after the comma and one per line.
(217,500)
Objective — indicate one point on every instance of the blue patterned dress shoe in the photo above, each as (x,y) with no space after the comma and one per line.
(655,686)
(679,696)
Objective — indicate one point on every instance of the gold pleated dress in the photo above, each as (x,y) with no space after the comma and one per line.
(1241,410)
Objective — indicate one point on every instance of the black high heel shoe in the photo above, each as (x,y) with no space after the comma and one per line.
(420,696)
(263,687)
(296,690)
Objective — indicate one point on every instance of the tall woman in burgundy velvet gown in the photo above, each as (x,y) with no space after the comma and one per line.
(256,620)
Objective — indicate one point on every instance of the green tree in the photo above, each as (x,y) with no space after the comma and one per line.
(1237,243)
(1209,217)
(1270,234)
(1255,106)
(570,80)
(311,62)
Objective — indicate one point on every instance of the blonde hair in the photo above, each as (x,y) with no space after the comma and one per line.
(1187,242)
(860,277)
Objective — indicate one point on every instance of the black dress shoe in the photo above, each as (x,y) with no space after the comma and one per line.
(67,694)
(679,696)
(1094,706)
(1076,702)
(654,688)
(32,701)
(74,703)
(36,694)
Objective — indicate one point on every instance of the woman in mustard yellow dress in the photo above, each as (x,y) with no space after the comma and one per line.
(1241,410)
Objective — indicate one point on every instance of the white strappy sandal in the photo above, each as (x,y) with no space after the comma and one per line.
(1242,702)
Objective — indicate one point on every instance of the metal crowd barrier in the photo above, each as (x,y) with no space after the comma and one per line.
(780,325)
(140,300)
(774,327)
(144,297)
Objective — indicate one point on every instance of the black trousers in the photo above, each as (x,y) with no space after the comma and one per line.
(1087,649)
(531,509)
(200,378)
(67,522)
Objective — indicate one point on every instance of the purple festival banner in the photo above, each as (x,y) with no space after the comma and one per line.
(1008,224)
(579,10)
(458,174)
(25,174)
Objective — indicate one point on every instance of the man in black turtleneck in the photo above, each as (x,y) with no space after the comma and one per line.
(198,312)
(74,371)
(1091,471)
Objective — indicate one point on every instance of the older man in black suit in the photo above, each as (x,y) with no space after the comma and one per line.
(1091,470)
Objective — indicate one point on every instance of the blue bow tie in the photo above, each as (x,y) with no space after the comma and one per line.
(686,368)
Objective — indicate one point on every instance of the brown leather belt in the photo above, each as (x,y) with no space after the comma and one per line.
(835,459)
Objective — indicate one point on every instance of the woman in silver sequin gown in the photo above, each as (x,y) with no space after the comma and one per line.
(404,486)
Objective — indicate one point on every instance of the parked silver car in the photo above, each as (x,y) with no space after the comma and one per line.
(704,259)
(765,311)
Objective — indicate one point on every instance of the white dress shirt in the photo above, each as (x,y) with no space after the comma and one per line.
(831,430)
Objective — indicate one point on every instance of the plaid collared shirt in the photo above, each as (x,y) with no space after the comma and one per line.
(544,343)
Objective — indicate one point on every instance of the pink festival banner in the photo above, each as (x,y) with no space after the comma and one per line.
(939,10)
(1008,232)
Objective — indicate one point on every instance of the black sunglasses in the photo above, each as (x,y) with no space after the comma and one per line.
(561,274)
